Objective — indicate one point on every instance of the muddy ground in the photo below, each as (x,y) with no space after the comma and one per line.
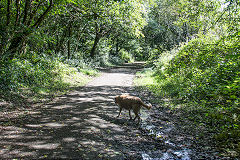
(83,125)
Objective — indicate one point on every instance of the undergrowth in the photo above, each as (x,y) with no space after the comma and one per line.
(33,77)
(202,78)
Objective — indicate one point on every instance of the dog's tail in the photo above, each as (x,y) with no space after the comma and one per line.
(146,106)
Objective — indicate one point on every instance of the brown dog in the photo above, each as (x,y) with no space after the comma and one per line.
(130,103)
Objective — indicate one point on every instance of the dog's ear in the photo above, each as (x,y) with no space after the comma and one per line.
(116,98)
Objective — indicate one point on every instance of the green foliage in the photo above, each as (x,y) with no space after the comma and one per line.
(144,78)
(126,56)
(39,75)
(204,74)
(30,71)
(90,34)
(89,72)
(172,22)
(210,70)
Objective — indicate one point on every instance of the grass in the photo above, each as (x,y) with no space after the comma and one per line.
(144,78)
(34,79)
(219,128)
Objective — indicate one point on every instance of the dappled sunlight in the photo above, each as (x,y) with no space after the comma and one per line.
(114,78)
(81,124)
(103,124)
(44,145)
(54,125)
(73,122)
(62,107)
(69,139)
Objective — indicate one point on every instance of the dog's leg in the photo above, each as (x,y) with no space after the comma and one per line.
(137,116)
(130,114)
(136,111)
(120,110)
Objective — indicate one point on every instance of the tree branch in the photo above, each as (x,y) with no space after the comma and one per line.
(27,5)
(17,12)
(8,12)
(41,18)
(34,12)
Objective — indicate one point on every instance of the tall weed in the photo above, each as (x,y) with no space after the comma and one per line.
(205,72)
(38,75)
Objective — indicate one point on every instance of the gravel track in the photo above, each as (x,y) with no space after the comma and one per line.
(83,125)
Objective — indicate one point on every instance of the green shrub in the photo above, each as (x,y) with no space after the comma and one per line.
(39,75)
(27,71)
(126,56)
(210,70)
(204,74)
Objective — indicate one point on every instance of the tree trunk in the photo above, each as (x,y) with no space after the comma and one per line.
(26,10)
(17,12)
(61,41)
(69,41)
(8,12)
(15,43)
(185,32)
(117,47)
(41,18)
(19,38)
(96,40)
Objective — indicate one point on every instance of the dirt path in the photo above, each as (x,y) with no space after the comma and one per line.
(83,125)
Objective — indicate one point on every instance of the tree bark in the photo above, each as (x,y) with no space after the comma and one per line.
(17,12)
(96,40)
(69,41)
(185,32)
(20,37)
(16,43)
(41,18)
(27,6)
(33,13)
(8,12)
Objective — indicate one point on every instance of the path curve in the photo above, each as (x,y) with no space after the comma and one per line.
(81,124)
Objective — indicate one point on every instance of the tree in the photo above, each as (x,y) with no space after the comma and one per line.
(19,19)
(172,22)
(112,18)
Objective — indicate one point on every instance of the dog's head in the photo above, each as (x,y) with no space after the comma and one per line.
(116,99)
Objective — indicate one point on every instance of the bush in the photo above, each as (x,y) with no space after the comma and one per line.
(204,74)
(40,75)
(126,56)
(210,70)
(28,71)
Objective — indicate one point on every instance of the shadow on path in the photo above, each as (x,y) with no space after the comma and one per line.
(81,124)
